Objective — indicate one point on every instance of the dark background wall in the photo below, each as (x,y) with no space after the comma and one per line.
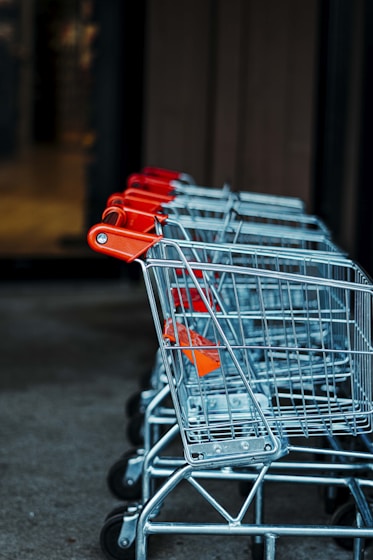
(270,96)
(230,91)
(9,68)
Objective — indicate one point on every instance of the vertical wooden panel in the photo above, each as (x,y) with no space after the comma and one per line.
(349,232)
(300,98)
(262,166)
(27,15)
(176,85)
(230,34)
(275,150)
(229,91)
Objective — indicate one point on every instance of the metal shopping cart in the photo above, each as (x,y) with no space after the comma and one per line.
(175,184)
(226,226)
(241,400)
(228,229)
(124,476)
(129,208)
(261,228)
(199,202)
(177,196)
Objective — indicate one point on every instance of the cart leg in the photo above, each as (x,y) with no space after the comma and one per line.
(258,540)
(270,546)
(144,522)
(359,542)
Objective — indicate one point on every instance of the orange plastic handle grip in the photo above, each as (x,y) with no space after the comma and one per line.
(139,200)
(149,183)
(143,193)
(120,243)
(125,233)
(160,172)
(143,204)
(130,218)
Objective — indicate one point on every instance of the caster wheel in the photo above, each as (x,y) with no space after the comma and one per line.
(138,402)
(133,452)
(345,515)
(120,485)
(109,540)
(133,405)
(135,429)
(122,509)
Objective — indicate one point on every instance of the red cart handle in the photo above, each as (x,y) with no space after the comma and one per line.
(149,195)
(139,199)
(120,243)
(131,218)
(128,243)
(149,183)
(169,174)
(119,200)
(144,205)
(161,172)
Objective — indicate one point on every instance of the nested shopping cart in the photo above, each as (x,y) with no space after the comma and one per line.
(124,476)
(271,353)
(228,228)
(175,184)
(260,226)
(198,202)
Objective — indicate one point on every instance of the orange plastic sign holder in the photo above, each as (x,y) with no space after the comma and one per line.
(206,360)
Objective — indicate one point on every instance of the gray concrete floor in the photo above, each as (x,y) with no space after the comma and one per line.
(72,353)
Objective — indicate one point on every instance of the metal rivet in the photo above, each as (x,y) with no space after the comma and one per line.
(101,238)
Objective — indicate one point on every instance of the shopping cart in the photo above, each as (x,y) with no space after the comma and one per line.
(240,400)
(175,184)
(263,229)
(154,188)
(124,477)
(266,210)
(227,229)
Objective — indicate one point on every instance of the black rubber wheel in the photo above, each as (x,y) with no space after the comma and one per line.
(118,510)
(345,515)
(109,540)
(119,485)
(135,429)
(132,452)
(133,405)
